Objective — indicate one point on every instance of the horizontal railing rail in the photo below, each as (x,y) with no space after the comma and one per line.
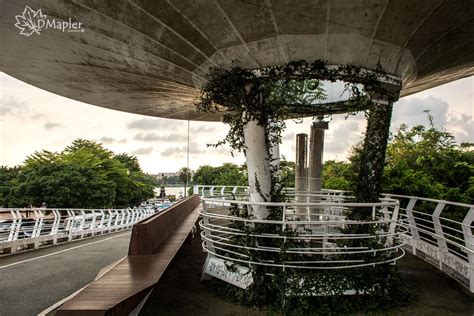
(30,228)
(438,231)
(313,234)
(441,233)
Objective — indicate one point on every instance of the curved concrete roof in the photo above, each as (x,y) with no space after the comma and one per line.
(149,57)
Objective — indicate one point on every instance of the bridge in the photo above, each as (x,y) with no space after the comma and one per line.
(155,57)
(50,265)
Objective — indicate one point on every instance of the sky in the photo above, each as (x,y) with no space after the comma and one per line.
(32,119)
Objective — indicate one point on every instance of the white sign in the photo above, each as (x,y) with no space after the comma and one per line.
(31,21)
(239,276)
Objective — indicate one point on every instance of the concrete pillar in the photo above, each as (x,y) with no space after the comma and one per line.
(301,173)
(316,147)
(258,167)
(301,176)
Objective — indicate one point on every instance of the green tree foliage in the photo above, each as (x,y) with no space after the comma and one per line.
(338,175)
(84,175)
(287,173)
(227,174)
(420,161)
(184,175)
(427,162)
(7,176)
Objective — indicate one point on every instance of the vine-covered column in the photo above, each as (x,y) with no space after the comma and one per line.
(258,166)
(372,160)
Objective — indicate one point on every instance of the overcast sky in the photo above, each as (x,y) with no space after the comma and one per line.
(32,119)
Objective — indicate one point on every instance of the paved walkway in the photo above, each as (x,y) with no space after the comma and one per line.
(436,294)
(33,281)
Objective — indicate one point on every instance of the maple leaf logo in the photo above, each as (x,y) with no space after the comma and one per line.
(29,22)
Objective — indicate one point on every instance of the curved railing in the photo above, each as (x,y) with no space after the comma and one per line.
(22,229)
(440,232)
(242,191)
(314,235)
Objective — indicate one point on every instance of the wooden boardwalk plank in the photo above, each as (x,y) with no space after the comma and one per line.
(135,275)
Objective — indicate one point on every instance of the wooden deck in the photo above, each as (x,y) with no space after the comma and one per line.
(153,245)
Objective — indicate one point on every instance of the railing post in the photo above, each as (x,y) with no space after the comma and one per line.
(393,224)
(411,221)
(83,223)
(13,226)
(116,219)
(18,224)
(92,228)
(442,245)
(102,220)
(35,227)
(207,232)
(55,227)
(70,223)
(469,242)
(122,219)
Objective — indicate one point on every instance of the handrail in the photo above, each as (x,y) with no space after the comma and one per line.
(319,241)
(19,231)
(445,242)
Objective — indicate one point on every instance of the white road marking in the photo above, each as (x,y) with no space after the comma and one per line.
(61,251)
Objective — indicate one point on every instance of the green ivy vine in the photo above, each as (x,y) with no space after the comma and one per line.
(269,96)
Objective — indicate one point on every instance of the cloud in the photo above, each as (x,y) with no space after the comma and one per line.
(51,125)
(462,125)
(122,141)
(410,111)
(157,124)
(10,105)
(342,136)
(152,137)
(195,149)
(144,124)
(37,116)
(107,140)
(142,151)
(201,129)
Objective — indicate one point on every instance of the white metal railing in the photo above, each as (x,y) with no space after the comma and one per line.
(22,229)
(441,233)
(315,235)
(242,191)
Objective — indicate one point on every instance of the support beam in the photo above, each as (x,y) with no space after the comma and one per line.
(258,167)
(316,148)
(369,182)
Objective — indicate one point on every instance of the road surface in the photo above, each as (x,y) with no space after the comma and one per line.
(32,281)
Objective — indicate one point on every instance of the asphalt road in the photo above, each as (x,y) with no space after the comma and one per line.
(31,282)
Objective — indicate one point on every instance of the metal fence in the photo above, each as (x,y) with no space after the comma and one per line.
(314,235)
(23,229)
(439,232)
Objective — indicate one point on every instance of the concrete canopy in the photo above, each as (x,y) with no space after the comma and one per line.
(150,57)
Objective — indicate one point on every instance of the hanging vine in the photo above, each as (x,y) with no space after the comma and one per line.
(269,96)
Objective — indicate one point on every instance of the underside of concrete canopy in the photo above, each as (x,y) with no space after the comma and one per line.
(151,57)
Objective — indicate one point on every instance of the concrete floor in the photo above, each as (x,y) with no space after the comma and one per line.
(32,281)
(435,293)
